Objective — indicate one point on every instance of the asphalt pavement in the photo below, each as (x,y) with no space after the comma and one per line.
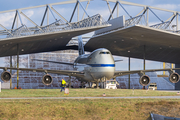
(138,97)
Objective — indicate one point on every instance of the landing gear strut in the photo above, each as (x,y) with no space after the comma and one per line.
(97,85)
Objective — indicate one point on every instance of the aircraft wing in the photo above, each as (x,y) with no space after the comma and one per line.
(54,62)
(121,73)
(61,72)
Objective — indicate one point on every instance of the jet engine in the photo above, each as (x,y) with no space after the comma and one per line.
(174,77)
(144,80)
(47,79)
(5,76)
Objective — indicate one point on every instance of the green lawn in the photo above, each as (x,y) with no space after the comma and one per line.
(81,93)
(87,109)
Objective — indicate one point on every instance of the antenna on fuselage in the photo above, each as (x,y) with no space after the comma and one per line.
(80,45)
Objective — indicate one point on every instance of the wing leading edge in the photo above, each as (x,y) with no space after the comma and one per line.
(61,72)
(54,62)
(121,73)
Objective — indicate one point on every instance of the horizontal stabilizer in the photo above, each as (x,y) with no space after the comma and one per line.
(80,45)
(54,62)
(117,60)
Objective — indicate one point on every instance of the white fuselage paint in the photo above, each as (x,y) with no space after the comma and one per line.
(97,66)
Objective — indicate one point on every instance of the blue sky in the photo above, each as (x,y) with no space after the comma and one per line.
(14,4)
(96,6)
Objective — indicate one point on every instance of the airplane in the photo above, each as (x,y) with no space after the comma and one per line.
(96,67)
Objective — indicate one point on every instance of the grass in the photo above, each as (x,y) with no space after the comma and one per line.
(81,93)
(91,109)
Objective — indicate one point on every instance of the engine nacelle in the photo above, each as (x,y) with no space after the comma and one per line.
(47,79)
(5,76)
(144,80)
(174,77)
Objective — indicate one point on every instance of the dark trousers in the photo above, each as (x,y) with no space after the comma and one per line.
(62,89)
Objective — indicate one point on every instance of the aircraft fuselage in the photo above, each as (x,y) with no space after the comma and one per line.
(97,66)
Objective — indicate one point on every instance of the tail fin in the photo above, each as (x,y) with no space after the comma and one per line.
(80,45)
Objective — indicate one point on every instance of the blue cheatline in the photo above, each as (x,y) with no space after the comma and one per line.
(102,65)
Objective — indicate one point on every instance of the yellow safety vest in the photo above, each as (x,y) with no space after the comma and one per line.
(63,82)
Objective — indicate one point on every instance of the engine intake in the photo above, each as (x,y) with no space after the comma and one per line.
(174,77)
(144,80)
(5,76)
(47,79)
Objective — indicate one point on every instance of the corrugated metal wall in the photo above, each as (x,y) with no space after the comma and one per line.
(33,80)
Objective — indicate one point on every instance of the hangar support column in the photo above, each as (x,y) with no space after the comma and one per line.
(11,72)
(177,85)
(129,84)
(144,87)
(17,66)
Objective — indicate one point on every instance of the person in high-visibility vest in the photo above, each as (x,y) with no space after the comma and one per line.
(63,85)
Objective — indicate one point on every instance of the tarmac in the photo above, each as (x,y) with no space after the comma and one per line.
(138,97)
(169,90)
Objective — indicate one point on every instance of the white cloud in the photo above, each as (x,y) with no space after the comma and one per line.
(168,6)
(36,15)
(6,18)
(104,12)
(28,13)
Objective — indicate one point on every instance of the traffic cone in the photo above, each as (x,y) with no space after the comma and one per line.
(19,88)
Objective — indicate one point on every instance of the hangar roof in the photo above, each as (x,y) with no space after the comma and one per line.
(159,45)
(41,42)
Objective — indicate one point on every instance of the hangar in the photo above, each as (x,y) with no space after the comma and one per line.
(132,37)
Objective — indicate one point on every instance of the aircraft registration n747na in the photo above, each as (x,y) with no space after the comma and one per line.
(96,67)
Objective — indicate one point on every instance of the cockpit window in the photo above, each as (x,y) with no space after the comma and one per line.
(104,53)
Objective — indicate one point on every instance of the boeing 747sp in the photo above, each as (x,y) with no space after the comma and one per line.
(96,67)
